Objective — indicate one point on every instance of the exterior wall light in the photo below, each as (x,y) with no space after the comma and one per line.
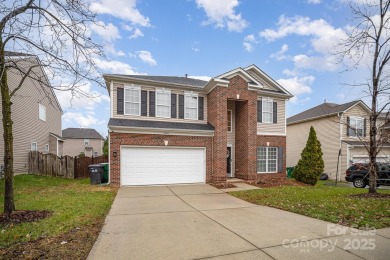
(238,96)
(166,142)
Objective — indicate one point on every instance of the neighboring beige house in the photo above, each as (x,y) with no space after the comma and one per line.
(36,113)
(335,127)
(85,141)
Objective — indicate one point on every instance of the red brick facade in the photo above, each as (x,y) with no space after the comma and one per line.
(246,138)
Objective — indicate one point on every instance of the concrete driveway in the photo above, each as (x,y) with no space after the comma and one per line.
(202,222)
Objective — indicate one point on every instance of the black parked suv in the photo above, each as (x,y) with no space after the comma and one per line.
(358,174)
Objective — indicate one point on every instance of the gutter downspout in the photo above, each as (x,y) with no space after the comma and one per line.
(340,115)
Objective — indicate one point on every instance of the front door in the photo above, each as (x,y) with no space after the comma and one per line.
(229,161)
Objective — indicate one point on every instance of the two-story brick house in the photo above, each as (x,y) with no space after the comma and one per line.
(36,113)
(167,130)
(339,127)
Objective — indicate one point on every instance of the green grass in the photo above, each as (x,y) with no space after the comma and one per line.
(327,203)
(74,203)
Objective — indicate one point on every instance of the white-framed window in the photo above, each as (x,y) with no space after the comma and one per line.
(46,147)
(191,106)
(356,126)
(163,103)
(267,159)
(229,121)
(267,109)
(132,101)
(86,142)
(95,154)
(42,112)
(34,146)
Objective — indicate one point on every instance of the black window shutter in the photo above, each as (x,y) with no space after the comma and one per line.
(181,106)
(348,125)
(200,108)
(275,112)
(119,101)
(259,111)
(173,105)
(280,159)
(364,129)
(144,103)
(152,103)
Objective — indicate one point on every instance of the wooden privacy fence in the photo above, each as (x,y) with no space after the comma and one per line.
(81,165)
(66,166)
(51,165)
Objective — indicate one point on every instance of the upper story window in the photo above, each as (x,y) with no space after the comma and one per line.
(132,101)
(34,146)
(86,142)
(229,121)
(191,106)
(267,110)
(356,126)
(47,148)
(42,112)
(163,103)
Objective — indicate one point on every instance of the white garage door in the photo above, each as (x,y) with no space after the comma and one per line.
(162,165)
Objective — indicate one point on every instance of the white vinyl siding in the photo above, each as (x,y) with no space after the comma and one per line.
(267,110)
(132,100)
(42,112)
(191,106)
(356,125)
(163,103)
(267,158)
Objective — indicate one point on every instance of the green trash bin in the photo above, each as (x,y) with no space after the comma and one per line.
(290,171)
(106,171)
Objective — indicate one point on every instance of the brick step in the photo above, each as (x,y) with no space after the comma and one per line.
(235,180)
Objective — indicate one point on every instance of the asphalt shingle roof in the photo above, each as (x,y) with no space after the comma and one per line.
(321,110)
(80,133)
(159,124)
(12,53)
(167,79)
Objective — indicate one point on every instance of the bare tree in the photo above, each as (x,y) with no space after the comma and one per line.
(56,33)
(367,45)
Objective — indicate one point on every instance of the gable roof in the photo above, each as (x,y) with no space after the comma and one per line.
(165,79)
(19,55)
(325,109)
(80,133)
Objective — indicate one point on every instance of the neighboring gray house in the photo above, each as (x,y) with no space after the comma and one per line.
(338,126)
(82,140)
(36,113)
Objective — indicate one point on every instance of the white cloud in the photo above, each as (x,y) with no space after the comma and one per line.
(80,119)
(323,38)
(249,41)
(108,32)
(297,85)
(114,66)
(123,9)
(146,57)
(136,34)
(315,2)
(84,97)
(279,55)
(110,48)
(205,78)
(222,14)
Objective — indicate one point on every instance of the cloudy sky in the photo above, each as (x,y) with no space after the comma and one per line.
(292,41)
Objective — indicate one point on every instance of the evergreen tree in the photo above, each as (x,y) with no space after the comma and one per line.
(311,164)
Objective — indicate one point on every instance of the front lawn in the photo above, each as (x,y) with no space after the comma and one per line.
(77,207)
(327,203)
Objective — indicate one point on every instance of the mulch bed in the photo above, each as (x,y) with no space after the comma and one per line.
(223,185)
(20,216)
(275,181)
(74,244)
(371,196)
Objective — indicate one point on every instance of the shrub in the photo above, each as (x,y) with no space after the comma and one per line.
(311,164)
